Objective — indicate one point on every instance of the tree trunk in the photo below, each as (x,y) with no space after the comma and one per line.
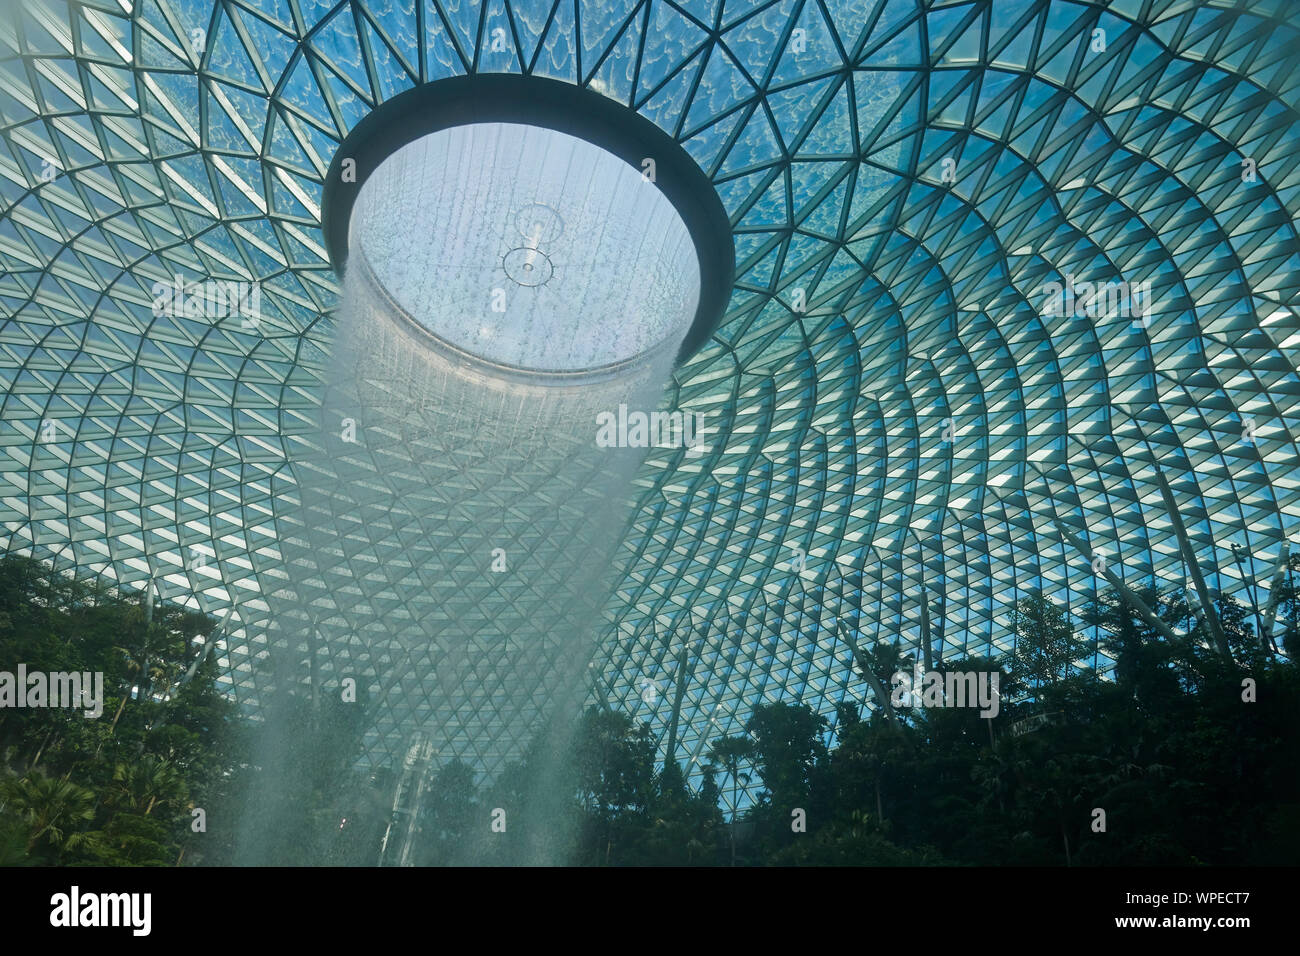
(878,691)
(40,750)
(120,707)
(734,812)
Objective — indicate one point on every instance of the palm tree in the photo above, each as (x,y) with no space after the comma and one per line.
(147,783)
(152,649)
(52,809)
(728,753)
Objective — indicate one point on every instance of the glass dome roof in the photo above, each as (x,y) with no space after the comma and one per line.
(1016,285)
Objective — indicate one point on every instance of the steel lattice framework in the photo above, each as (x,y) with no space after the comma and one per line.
(893,403)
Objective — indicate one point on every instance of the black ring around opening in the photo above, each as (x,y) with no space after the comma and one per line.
(565,108)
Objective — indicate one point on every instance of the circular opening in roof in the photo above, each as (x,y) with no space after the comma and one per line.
(527,248)
(531,225)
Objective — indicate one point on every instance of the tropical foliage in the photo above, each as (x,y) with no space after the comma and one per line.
(1187,752)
